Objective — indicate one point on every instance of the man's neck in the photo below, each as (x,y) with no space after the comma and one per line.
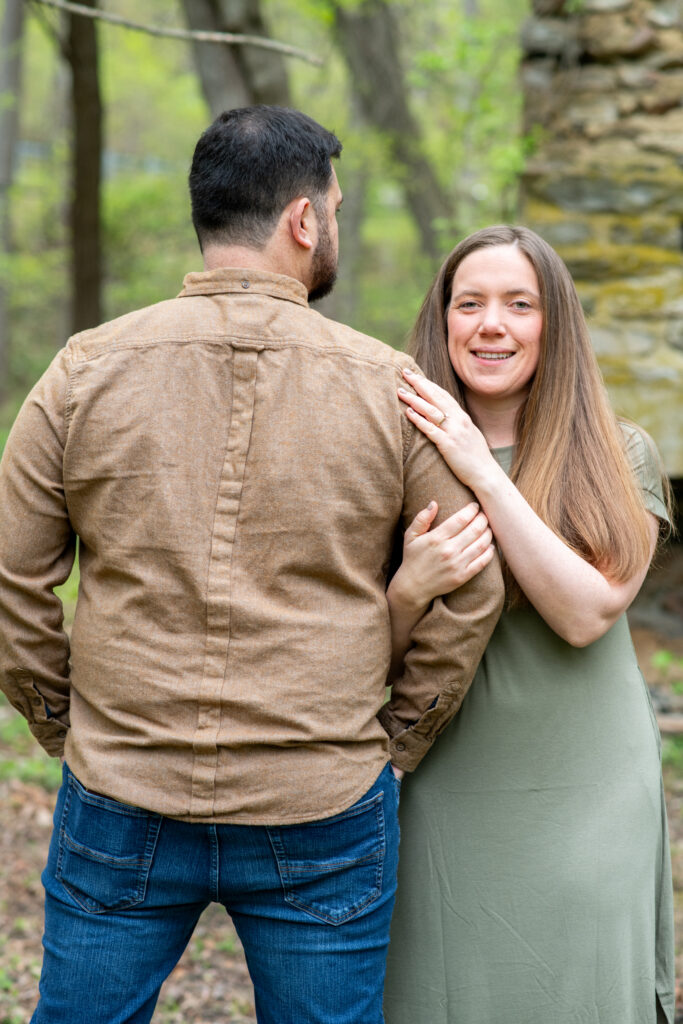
(269,260)
(216,257)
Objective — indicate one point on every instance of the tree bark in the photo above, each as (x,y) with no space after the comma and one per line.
(86,173)
(11,32)
(367,35)
(236,76)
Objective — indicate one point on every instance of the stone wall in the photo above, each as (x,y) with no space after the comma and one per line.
(603,84)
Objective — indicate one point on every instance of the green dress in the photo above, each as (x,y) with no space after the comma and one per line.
(534,877)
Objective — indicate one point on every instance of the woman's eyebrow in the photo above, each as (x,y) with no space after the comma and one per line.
(509,292)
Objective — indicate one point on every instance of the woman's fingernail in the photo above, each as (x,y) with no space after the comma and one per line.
(408,373)
(402,391)
(430,506)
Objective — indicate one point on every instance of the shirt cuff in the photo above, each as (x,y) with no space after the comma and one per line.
(47,728)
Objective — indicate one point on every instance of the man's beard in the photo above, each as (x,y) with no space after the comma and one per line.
(323,265)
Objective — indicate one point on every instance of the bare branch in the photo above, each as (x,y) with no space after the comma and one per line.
(181,33)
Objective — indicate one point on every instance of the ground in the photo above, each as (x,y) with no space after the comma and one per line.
(210,984)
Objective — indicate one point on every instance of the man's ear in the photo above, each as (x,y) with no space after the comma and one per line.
(302,222)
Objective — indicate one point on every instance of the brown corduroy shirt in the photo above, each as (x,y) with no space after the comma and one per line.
(235,467)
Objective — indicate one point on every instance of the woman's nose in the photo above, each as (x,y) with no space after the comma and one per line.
(492,321)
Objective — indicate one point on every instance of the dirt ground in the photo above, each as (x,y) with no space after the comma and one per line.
(210,984)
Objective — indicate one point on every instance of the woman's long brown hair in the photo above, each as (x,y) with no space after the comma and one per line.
(570,462)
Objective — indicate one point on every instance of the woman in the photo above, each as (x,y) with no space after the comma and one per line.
(534,884)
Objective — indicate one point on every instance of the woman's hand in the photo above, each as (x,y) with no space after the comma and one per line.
(447,425)
(440,560)
(434,562)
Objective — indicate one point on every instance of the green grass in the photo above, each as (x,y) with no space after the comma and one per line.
(672,753)
(20,756)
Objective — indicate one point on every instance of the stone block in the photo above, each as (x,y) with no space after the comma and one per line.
(622,341)
(613,35)
(602,6)
(674,334)
(595,111)
(563,232)
(538,74)
(588,78)
(628,104)
(593,194)
(666,14)
(550,37)
(669,50)
(593,260)
(636,76)
(648,390)
(664,95)
(651,230)
(543,8)
(636,298)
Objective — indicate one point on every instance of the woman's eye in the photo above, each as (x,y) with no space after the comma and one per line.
(467,304)
(521,304)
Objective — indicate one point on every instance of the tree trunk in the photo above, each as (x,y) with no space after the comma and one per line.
(11,32)
(343,302)
(235,76)
(86,173)
(367,35)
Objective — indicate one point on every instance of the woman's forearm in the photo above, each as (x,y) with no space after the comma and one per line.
(576,600)
(404,615)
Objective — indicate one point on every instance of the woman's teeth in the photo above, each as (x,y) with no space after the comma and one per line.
(493,355)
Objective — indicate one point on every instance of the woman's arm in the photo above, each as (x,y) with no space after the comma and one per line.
(434,562)
(576,600)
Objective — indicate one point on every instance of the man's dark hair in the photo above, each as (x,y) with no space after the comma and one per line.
(249,164)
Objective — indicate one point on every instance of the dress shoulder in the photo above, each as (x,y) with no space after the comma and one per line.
(645,461)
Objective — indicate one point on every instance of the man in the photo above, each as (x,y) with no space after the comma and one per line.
(235,467)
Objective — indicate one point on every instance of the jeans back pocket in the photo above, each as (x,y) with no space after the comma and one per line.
(332,869)
(105,850)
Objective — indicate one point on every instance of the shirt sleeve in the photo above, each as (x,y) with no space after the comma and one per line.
(448,642)
(646,464)
(37,548)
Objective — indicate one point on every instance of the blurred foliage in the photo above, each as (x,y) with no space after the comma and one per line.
(20,756)
(462,78)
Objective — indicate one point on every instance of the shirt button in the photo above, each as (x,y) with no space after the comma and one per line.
(400,746)
(245,283)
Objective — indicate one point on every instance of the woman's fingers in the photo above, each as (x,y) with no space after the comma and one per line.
(466,517)
(477,564)
(425,425)
(427,388)
(427,409)
(421,523)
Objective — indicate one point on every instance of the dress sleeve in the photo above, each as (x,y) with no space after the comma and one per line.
(646,464)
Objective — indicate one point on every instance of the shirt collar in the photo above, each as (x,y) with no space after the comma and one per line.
(236,280)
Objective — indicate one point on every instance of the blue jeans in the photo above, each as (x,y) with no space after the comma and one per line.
(311,904)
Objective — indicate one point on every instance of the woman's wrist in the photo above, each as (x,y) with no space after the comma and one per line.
(488,481)
(403,597)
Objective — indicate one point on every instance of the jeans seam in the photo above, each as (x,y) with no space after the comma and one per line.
(215,862)
(379,853)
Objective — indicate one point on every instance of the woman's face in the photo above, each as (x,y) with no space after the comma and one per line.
(494,324)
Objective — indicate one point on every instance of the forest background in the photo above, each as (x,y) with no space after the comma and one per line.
(97,127)
(429,120)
